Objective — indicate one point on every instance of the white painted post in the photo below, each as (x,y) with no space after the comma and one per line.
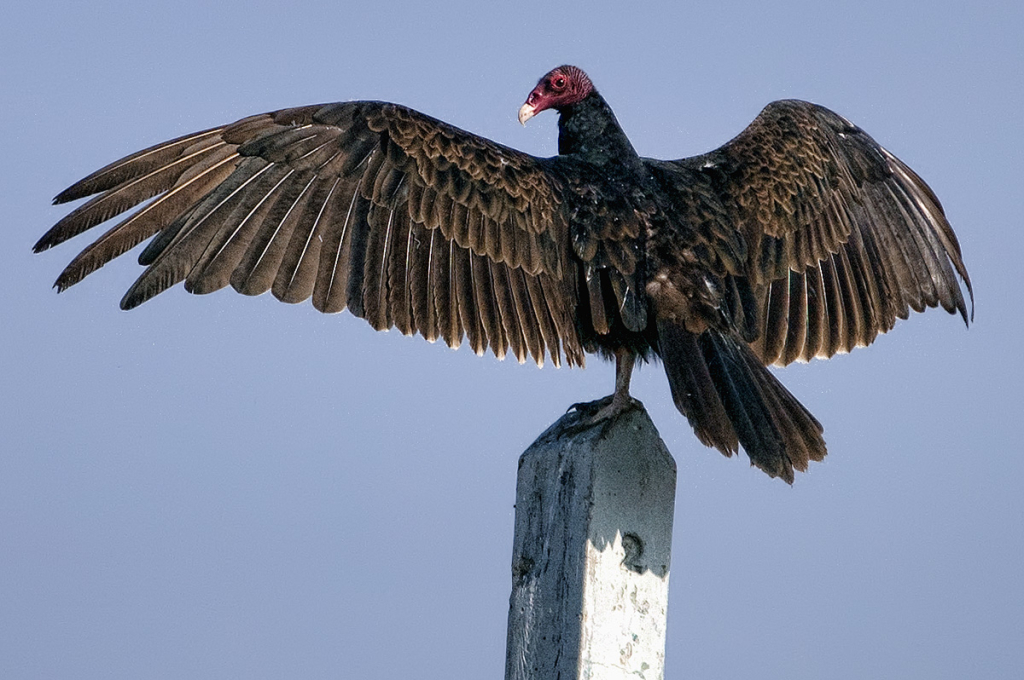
(590,558)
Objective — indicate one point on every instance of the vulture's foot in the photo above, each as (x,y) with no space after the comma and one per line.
(603,410)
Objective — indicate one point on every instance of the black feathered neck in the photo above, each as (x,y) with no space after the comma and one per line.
(588,129)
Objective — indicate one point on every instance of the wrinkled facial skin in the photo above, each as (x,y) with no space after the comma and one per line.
(562,87)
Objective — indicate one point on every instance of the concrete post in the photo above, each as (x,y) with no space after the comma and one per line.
(590,559)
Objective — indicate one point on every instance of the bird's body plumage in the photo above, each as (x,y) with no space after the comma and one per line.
(800,238)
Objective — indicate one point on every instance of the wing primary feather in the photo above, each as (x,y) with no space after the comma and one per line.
(916,245)
(255,272)
(126,195)
(878,271)
(245,172)
(929,205)
(895,272)
(144,223)
(945,290)
(139,163)
(212,270)
(336,269)
(174,255)
(330,292)
(296,275)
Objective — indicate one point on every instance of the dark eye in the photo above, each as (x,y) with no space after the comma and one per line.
(559,82)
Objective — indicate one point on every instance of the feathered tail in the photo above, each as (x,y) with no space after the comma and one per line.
(732,399)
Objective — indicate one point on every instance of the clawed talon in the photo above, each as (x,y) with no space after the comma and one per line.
(605,408)
(602,411)
(588,408)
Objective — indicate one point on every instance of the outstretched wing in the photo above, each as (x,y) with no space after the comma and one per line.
(406,221)
(836,237)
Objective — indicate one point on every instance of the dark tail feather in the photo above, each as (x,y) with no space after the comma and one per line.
(730,398)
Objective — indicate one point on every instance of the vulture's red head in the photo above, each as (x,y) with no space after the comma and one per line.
(562,87)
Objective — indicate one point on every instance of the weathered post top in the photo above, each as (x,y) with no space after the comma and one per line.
(591,553)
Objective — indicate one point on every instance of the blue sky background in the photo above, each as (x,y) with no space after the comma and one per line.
(226,487)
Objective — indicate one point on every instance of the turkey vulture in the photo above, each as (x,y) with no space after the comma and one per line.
(800,238)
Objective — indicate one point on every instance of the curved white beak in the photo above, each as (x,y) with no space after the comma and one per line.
(526,112)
